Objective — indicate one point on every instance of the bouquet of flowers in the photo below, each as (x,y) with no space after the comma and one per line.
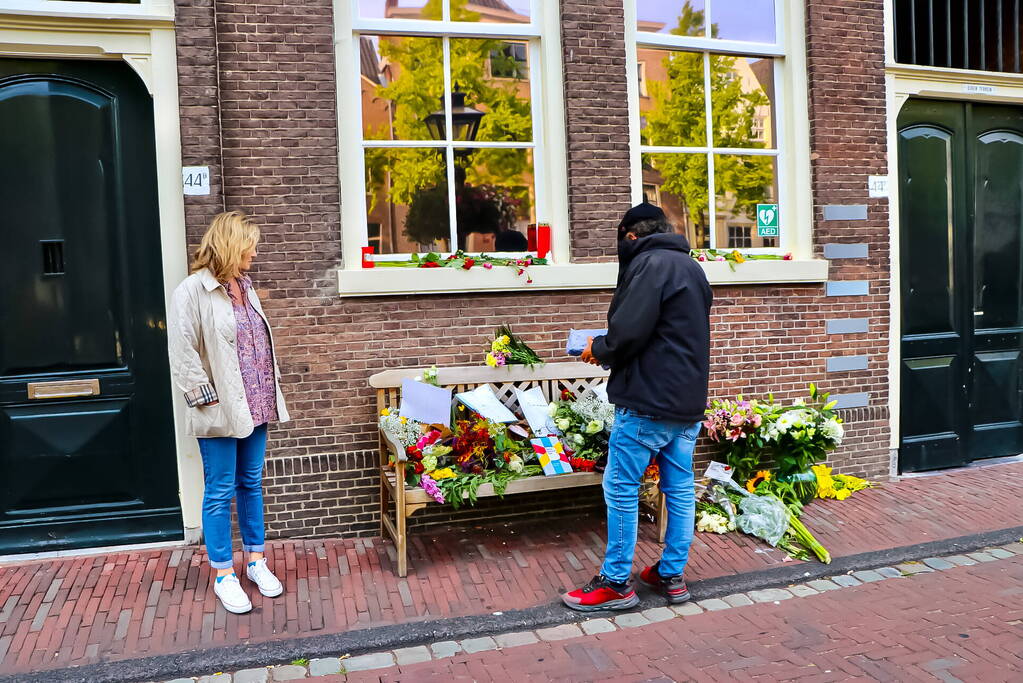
(507,349)
(736,426)
(584,424)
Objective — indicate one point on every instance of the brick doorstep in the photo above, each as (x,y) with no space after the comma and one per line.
(455,590)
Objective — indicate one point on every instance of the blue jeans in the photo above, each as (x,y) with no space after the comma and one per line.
(636,440)
(233,468)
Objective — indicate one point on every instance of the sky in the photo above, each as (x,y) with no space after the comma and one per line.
(375,8)
(736,19)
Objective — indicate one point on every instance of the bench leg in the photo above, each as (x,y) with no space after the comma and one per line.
(401,542)
(662,517)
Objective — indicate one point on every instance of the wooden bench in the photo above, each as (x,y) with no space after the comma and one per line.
(399,502)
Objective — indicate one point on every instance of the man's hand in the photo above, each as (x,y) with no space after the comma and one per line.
(587,355)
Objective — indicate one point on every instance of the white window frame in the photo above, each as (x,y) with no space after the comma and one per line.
(791,116)
(157,10)
(548,145)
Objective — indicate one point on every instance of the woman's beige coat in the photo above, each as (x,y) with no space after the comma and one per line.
(202,337)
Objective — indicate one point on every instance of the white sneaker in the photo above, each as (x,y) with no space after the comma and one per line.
(231,595)
(261,575)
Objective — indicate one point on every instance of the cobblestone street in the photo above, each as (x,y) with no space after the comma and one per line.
(963,623)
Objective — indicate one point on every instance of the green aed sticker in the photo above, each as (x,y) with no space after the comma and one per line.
(767,220)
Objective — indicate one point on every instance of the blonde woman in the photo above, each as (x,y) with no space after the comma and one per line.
(222,359)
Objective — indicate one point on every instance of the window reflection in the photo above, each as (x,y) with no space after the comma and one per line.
(407,198)
(675,113)
(678,17)
(494,74)
(495,198)
(678,184)
(740,183)
(751,20)
(742,103)
(491,11)
(402,83)
(400,9)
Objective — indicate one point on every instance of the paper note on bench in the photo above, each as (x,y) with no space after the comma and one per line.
(551,454)
(600,391)
(534,407)
(483,401)
(425,403)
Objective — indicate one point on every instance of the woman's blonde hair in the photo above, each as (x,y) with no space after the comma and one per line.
(229,236)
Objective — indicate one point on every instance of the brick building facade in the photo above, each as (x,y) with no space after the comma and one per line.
(258,106)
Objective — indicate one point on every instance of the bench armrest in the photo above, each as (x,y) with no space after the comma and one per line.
(395,448)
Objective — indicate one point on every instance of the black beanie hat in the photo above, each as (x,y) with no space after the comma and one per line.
(640,212)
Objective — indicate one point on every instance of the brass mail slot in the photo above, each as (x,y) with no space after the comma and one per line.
(82,387)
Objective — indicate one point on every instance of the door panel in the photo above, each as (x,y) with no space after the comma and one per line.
(933,373)
(961,226)
(87,453)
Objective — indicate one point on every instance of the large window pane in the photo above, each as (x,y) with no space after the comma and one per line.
(675,112)
(751,20)
(741,183)
(400,9)
(494,75)
(678,184)
(491,11)
(742,101)
(402,83)
(407,199)
(679,17)
(495,198)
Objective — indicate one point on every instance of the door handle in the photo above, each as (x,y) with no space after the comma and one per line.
(63,389)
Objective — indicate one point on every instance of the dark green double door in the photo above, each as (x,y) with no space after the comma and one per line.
(87,454)
(961,264)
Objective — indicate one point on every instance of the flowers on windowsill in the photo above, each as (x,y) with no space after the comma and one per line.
(734,257)
(462,261)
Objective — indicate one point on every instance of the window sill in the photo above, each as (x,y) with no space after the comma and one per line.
(398,281)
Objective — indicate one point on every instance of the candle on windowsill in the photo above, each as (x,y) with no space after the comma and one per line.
(367,260)
(543,240)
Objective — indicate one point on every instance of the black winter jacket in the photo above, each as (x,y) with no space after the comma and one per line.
(658,337)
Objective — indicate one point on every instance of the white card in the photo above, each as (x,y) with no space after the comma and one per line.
(483,401)
(534,407)
(425,403)
(718,471)
(600,391)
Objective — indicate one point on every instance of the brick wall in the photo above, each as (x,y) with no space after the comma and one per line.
(272,101)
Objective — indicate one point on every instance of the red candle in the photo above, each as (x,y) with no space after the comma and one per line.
(531,237)
(367,262)
(543,240)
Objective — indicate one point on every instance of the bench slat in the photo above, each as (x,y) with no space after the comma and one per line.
(475,375)
(527,485)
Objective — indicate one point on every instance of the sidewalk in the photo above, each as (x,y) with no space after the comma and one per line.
(343,596)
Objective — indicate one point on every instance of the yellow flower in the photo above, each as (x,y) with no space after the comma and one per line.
(403,420)
(446,473)
(739,258)
(853,483)
(842,494)
(491,361)
(385,412)
(825,482)
(762,475)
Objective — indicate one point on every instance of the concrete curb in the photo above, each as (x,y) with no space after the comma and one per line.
(235,657)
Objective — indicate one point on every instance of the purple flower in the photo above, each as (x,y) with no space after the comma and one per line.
(431,488)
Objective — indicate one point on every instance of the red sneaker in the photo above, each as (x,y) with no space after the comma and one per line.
(600,594)
(674,587)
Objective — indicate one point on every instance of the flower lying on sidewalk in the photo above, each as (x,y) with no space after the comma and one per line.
(838,486)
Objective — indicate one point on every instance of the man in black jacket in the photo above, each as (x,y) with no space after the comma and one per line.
(658,347)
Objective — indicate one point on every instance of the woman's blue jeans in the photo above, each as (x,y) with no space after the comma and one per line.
(636,440)
(233,468)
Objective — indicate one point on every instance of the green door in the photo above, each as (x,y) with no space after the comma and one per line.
(87,454)
(961,264)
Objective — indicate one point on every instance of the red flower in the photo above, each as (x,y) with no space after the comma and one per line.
(429,264)
(787,257)
(507,457)
(567,395)
(469,263)
(418,467)
(476,469)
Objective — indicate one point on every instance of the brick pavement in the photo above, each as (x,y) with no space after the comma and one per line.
(90,609)
(892,630)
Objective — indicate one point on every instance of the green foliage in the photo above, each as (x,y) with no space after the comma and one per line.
(465,487)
